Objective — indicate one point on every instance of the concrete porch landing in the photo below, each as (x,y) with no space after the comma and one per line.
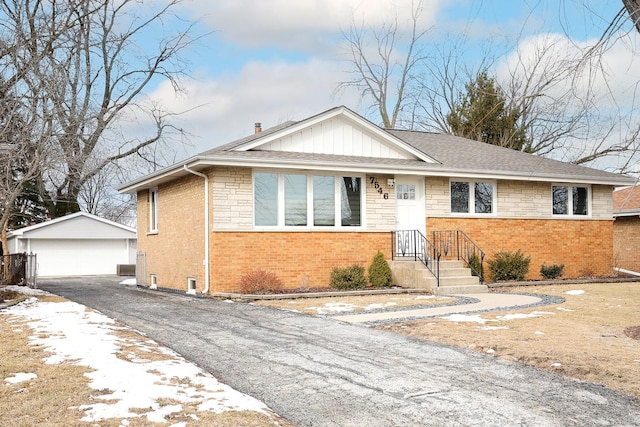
(455,278)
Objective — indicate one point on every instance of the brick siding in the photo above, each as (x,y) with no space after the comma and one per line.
(176,251)
(306,258)
(585,247)
(299,259)
(626,241)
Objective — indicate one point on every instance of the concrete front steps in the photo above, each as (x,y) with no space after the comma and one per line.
(455,278)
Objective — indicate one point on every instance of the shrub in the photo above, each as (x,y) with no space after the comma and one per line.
(475,264)
(259,281)
(507,265)
(379,271)
(348,278)
(552,271)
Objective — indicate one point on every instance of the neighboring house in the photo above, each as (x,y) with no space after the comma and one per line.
(78,244)
(626,228)
(304,197)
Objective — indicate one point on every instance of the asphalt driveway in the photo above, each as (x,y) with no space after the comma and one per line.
(322,372)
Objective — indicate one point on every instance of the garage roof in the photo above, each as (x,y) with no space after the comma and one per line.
(79,225)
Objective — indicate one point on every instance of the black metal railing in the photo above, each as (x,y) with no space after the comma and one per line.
(412,244)
(18,269)
(456,244)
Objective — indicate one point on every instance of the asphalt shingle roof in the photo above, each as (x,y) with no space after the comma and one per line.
(464,154)
(454,156)
(627,199)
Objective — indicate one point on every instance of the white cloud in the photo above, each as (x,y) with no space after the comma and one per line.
(225,108)
(300,24)
(611,77)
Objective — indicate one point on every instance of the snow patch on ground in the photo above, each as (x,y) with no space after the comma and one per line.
(74,334)
(379,306)
(334,307)
(20,377)
(465,318)
(523,315)
(25,290)
(575,292)
(130,282)
(478,319)
(425,297)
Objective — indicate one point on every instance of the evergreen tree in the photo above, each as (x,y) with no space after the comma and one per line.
(482,113)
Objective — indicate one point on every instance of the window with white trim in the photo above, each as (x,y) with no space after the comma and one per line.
(153,210)
(307,200)
(571,200)
(475,197)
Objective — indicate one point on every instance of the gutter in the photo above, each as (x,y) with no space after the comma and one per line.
(207,255)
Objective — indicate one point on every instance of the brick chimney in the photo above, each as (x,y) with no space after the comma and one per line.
(258,127)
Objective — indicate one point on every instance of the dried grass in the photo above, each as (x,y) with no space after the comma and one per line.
(53,398)
(583,338)
(359,303)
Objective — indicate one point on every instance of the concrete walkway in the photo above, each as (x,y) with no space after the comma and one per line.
(477,303)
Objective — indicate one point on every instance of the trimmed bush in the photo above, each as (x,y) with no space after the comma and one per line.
(348,278)
(552,271)
(475,264)
(379,271)
(259,282)
(507,265)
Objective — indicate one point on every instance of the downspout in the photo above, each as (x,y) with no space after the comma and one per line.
(629,272)
(207,263)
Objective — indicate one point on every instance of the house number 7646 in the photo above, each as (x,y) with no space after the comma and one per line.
(375,184)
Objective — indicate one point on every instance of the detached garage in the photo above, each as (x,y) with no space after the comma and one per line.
(79,244)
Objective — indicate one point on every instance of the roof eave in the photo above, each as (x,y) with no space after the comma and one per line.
(200,162)
(163,175)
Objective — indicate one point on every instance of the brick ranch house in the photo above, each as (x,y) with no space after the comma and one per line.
(626,229)
(303,197)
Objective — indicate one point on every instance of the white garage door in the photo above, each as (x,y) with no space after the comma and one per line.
(79,257)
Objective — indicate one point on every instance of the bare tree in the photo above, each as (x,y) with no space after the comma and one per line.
(87,62)
(381,71)
(24,139)
(551,87)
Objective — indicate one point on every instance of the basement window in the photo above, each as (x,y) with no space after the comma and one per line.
(154,281)
(191,285)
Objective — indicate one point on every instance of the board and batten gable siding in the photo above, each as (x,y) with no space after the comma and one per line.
(518,199)
(338,137)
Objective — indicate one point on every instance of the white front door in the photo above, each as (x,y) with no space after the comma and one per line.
(410,204)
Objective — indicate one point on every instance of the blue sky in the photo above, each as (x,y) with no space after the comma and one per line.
(270,61)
